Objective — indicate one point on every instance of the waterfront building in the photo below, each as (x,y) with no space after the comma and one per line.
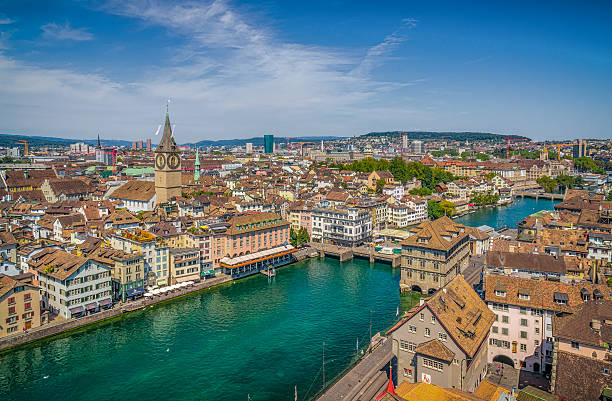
(341,226)
(139,242)
(71,285)
(522,335)
(434,254)
(201,238)
(136,196)
(127,272)
(582,352)
(184,265)
(161,273)
(418,205)
(248,233)
(19,305)
(444,340)
(300,216)
(168,179)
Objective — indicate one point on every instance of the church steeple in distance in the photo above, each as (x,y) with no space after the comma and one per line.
(167,143)
(99,146)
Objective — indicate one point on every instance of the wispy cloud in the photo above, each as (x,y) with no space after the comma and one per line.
(231,73)
(378,54)
(65,32)
(5,20)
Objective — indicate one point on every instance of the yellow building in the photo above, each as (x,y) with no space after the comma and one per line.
(19,306)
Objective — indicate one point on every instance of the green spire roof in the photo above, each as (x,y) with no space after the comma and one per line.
(196,170)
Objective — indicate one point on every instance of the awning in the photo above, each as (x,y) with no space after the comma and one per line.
(77,310)
(92,305)
(138,291)
(106,302)
(187,278)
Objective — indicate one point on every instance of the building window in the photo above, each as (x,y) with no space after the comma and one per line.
(427,332)
(575,345)
(505,331)
(494,329)
(407,372)
(523,347)
(404,345)
(523,334)
(429,363)
(523,322)
(412,329)
(442,336)
(500,293)
(422,317)
(523,311)
(433,319)
(505,319)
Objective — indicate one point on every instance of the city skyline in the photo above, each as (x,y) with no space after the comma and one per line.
(236,70)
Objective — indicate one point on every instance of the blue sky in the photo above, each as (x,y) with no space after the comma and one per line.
(293,68)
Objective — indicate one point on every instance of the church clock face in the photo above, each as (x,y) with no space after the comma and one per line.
(160,161)
(173,161)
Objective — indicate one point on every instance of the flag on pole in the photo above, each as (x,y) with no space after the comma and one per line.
(397,312)
(295,393)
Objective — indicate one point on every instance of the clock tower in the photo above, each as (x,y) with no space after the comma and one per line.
(167,166)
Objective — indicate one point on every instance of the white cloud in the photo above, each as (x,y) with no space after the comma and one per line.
(6,20)
(231,79)
(65,32)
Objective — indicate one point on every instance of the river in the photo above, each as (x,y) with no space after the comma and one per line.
(509,215)
(251,337)
(247,338)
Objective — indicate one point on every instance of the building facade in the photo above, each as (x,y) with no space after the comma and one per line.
(433,255)
(168,178)
(341,226)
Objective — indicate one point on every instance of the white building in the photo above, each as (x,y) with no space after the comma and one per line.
(341,226)
(71,285)
(136,196)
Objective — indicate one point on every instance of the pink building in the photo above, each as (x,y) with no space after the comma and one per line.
(522,334)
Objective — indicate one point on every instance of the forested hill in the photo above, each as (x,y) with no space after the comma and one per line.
(454,136)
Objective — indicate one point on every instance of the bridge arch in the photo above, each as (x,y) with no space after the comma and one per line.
(506,360)
(416,288)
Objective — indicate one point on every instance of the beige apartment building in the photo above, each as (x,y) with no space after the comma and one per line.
(444,341)
(435,253)
(19,306)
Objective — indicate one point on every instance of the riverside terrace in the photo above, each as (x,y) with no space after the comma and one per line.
(242,266)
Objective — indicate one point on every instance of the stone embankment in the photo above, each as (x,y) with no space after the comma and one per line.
(53,328)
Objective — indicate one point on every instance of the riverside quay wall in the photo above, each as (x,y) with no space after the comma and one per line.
(52,329)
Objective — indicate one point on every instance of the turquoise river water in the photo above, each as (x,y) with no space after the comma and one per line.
(252,338)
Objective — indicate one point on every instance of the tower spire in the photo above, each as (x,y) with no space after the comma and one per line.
(99,146)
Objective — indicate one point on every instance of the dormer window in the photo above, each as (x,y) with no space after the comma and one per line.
(523,296)
(500,293)
(561,298)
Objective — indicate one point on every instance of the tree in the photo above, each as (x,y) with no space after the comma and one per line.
(420,191)
(448,208)
(434,210)
(568,182)
(482,156)
(380,183)
(299,237)
(549,184)
(609,197)
(586,164)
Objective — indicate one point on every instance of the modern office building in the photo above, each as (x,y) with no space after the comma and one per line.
(580,148)
(417,147)
(269,143)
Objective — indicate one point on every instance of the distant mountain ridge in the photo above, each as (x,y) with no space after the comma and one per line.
(454,136)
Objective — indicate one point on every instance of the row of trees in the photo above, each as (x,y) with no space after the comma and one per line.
(560,183)
(401,170)
(587,165)
(484,198)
